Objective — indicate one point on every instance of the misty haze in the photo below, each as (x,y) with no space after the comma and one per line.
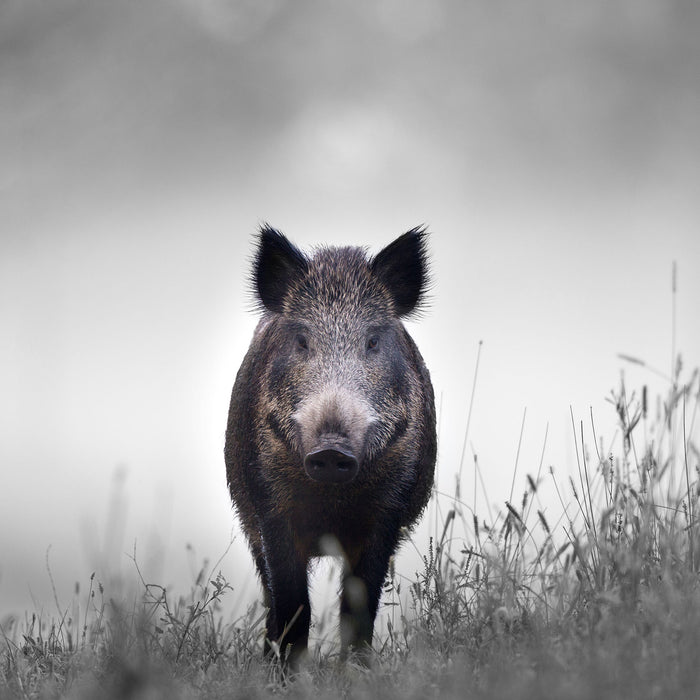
(552,150)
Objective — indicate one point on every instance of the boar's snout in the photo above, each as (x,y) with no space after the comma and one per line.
(333,427)
(331,465)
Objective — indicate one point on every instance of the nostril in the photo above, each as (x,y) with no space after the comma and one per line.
(331,465)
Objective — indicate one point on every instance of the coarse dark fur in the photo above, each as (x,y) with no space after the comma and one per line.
(331,428)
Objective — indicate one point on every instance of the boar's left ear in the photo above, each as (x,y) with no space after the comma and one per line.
(403,268)
(278,264)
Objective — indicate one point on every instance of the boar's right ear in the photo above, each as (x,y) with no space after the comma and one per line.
(403,268)
(278,263)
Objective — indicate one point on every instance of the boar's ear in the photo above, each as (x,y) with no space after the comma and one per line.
(278,263)
(403,267)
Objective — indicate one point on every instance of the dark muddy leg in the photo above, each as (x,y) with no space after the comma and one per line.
(287,596)
(362,589)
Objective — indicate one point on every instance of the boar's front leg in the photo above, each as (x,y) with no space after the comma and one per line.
(362,589)
(285,580)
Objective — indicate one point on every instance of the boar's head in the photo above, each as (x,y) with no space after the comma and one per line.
(341,369)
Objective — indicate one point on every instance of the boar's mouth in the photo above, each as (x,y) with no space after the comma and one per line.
(331,464)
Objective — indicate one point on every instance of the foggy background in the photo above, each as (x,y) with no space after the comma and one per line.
(551,147)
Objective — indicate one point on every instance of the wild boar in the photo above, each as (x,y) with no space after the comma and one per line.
(331,427)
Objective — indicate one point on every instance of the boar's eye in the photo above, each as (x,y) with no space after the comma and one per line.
(373,343)
(301,342)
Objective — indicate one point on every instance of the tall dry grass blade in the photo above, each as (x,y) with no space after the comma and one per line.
(636,361)
(469,412)
(587,515)
(601,462)
(631,360)
(87,608)
(466,435)
(694,376)
(564,507)
(517,454)
(691,520)
(673,317)
(628,424)
(539,473)
(483,488)
(588,493)
(450,517)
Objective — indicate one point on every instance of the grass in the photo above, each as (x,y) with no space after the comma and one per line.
(603,602)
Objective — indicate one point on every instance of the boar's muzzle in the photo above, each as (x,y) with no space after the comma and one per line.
(334,464)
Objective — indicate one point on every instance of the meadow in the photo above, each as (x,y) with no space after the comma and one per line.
(601,601)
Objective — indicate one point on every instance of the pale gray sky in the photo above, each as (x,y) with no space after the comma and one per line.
(551,147)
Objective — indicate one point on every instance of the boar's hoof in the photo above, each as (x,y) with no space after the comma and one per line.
(331,465)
